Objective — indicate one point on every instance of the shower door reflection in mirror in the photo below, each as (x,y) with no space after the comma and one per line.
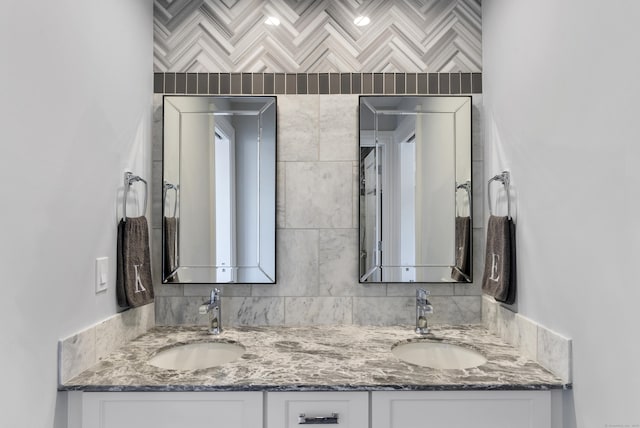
(219,181)
(415,189)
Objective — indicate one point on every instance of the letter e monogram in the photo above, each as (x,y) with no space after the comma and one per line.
(495,261)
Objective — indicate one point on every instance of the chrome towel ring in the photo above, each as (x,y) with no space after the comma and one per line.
(504,178)
(129,179)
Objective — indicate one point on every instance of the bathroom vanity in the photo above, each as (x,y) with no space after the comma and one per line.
(388,409)
(291,376)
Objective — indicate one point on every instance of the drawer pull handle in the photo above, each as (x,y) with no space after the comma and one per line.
(305,420)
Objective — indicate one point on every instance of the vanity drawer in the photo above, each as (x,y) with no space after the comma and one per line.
(284,409)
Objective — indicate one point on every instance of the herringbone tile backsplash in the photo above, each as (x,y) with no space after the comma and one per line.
(317,36)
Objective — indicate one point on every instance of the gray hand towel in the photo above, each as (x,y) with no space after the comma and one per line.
(134,286)
(499,265)
(461,271)
(170,237)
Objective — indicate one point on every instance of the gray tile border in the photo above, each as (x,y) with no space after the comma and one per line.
(378,83)
(225,83)
(412,85)
(323,82)
(389,83)
(317,83)
(312,83)
(401,85)
(279,83)
(454,83)
(269,83)
(247,84)
(423,83)
(367,83)
(345,83)
(465,83)
(203,83)
(290,83)
(444,83)
(257,84)
(158,83)
(301,85)
(476,83)
(236,83)
(214,83)
(434,84)
(334,83)
(356,83)
(181,83)
(192,83)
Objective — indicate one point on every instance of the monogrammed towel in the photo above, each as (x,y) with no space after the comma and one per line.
(499,265)
(133,282)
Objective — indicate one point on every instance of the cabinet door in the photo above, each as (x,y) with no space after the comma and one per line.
(171,409)
(284,409)
(461,409)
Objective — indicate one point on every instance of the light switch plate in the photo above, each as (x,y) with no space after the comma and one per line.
(102,274)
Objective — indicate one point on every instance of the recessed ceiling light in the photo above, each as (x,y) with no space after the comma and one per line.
(361,21)
(272,20)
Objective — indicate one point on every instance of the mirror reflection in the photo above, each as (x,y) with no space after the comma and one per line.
(415,189)
(219,180)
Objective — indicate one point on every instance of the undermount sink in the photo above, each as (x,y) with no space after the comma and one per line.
(194,356)
(438,355)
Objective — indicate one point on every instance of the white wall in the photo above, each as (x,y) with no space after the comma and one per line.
(561,102)
(76,91)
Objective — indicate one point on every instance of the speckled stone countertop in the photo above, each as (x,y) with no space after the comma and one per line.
(325,358)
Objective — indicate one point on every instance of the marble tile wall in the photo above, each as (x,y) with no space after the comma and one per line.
(317,234)
(82,350)
(535,341)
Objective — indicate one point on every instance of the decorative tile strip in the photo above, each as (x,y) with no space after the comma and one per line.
(317,83)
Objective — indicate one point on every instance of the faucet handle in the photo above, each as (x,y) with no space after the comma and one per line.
(215,295)
(421,293)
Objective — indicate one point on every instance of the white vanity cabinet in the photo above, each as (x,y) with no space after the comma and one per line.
(461,409)
(296,409)
(348,409)
(165,409)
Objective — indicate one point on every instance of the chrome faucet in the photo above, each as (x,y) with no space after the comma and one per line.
(213,308)
(423,308)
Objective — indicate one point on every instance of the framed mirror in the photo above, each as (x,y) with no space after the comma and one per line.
(415,189)
(219,188)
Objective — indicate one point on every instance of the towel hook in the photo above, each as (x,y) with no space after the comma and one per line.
(504,177)
(129,179)
(168,186)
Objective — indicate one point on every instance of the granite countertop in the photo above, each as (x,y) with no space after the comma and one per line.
(323,358)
